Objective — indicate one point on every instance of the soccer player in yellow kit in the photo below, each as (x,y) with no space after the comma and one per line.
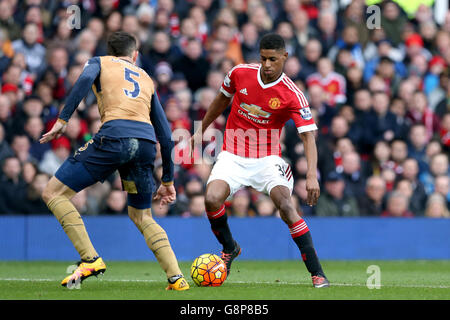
(133,120)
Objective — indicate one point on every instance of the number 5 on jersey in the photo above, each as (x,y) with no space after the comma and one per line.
(137,89)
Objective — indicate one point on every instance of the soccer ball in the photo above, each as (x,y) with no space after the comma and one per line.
(208,270)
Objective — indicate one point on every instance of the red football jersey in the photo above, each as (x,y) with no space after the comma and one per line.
(259,111)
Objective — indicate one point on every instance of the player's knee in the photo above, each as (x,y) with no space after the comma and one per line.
(48,194)
(287,211)
(138,215)
(213,201)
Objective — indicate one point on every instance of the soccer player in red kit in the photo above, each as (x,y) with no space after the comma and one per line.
(264,98)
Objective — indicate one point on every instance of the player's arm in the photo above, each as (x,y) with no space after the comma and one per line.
(166,191)
(78,92)
(164,136)
(306,127)
(312,184)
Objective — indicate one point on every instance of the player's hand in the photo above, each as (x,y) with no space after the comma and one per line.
(56,132)
(313,190)
(166,195)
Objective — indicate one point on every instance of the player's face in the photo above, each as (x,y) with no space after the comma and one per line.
(272,62)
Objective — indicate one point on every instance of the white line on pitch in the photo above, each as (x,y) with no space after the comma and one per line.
(243,282)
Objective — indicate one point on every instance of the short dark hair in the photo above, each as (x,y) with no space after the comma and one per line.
(121,44)
(272,41)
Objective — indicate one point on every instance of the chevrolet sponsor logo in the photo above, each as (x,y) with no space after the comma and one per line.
(254,110)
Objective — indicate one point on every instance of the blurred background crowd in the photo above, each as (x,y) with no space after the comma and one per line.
(380,95)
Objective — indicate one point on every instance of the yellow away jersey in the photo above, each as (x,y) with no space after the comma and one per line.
(123,91)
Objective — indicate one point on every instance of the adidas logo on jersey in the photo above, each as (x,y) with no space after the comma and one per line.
(243,91)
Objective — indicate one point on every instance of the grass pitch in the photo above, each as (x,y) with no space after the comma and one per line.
(249,280)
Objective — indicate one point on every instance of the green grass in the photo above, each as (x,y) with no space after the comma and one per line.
(249,280)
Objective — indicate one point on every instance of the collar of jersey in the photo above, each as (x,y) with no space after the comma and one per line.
(270,84)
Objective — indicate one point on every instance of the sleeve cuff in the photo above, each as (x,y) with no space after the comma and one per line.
(309,127)
(62,121)
(169,183)
(226,93)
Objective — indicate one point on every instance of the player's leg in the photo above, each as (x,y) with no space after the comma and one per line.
(57,197)
(156,238)
(216,193)
(137,180)
(281,196)
(71,178)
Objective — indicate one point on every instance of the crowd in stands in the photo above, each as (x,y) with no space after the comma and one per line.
(380,97)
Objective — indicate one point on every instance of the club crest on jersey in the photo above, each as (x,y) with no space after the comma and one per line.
(274,103)
(306,113)
(255,111)
(227,81)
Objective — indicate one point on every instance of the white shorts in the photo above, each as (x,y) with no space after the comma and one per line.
(261,174)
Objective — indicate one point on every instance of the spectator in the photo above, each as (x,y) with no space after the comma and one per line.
(381,157)
(438,166)
(442,186)
(403,88)
(258,15)
(116,203)
(29,171)
(32,107)
(265,207)
(397,206)
(310,57)
(417,145)
(334,201)
(303,29)
(327,24)
(399,153)
(34,128)
(196,206)
(411,173)
(436,207)
(349,42)
(34,52)
(5,149)
(354,175)
(317,101)
(21,148)
(379,123)
(55,157)
(332,82)
(443,106)
(444,134)
(59,59)
(383,49)
(31,201)
(193,65)
(418,112)
(7,21)
(240,204)
(405,187)
(4,59)
(250,44)
(372,202)
(432,80)
(12,185)
(158,210)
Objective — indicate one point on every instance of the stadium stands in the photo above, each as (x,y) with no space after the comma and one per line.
(380,96)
